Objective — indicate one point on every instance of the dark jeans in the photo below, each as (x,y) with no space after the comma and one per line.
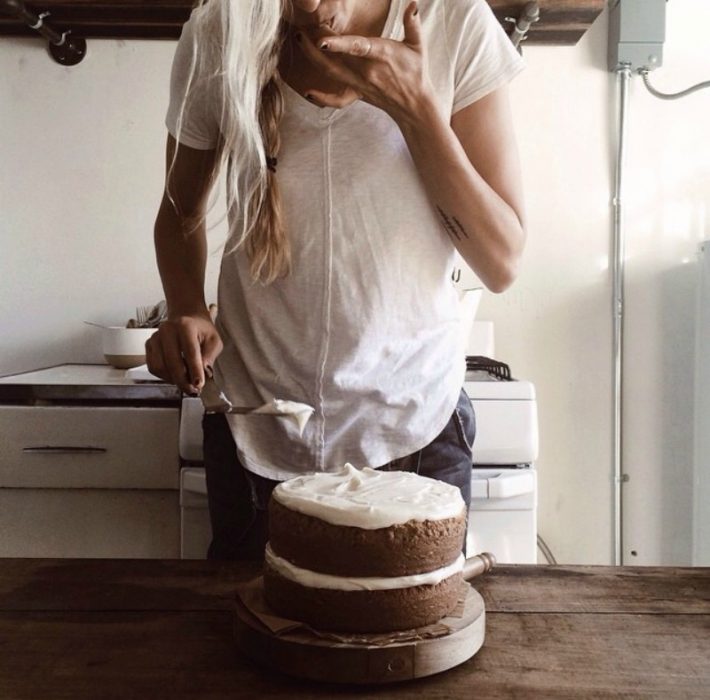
(238,498)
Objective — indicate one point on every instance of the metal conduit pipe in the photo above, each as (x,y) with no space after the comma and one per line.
(618,252)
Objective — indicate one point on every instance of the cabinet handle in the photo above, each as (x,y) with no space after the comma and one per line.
(64,450)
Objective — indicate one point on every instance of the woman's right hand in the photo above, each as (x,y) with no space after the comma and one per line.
(183,349)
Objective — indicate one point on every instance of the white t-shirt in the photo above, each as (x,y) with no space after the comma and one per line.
(366,327)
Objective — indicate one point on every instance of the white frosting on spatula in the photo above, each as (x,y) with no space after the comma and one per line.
(298,413)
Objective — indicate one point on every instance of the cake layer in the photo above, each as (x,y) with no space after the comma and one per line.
(368,498)
(409,548)
(361,611)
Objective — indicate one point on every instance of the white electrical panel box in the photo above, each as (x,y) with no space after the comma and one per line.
(637,30)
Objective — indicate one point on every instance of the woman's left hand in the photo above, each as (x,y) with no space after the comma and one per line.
(388,74)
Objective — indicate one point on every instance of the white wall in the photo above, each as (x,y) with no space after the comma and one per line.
(82,168)
(81,179)
(668,214)
(555,325)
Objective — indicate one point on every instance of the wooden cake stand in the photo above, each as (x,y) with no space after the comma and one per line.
(301,653)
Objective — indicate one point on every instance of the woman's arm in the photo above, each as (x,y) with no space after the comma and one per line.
(187,341)
(471,172)
(469,167)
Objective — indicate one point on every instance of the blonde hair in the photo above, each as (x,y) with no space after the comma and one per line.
(238,43)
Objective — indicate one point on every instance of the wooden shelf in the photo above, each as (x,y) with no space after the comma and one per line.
(561,21)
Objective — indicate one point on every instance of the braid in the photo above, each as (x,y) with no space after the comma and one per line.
(267,245)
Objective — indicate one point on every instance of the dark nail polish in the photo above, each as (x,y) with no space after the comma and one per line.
(310,98)
(324,46)
(209,371)
(415,13)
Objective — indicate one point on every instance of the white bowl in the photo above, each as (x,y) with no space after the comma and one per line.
(125,347)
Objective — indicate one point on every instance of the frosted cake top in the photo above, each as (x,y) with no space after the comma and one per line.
(370,499)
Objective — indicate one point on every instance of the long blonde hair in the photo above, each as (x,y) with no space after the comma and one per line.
(238,43)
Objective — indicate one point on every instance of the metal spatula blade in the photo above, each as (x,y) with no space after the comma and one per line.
(215,401)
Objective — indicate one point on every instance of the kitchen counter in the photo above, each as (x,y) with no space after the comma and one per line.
(83,383)
(109,628)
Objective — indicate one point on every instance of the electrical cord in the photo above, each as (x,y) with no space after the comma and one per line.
(546,551)
(673,95)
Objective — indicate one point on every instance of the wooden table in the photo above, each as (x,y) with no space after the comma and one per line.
(148,629)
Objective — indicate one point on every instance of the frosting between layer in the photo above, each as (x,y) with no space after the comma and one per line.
(313,579)
(370,499)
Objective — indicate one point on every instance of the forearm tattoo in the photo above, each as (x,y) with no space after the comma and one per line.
(452,225)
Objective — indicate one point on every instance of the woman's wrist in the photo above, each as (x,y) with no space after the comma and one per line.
(187,307)
(421,118)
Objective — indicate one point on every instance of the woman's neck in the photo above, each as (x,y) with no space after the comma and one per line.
(369,17)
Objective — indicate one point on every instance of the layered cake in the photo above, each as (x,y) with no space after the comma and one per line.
(364,550)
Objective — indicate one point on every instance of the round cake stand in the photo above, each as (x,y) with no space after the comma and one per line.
(301,654)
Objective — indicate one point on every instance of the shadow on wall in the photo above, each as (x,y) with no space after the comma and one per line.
(595,41)
(34,347)
(677,319)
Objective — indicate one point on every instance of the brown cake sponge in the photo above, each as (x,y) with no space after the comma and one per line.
(399,550)
(361,611)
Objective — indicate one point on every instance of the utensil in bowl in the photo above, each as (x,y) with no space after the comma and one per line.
(150,316)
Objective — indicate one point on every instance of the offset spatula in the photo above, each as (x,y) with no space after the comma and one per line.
(215,401)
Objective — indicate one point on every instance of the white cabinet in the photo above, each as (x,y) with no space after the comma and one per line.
(89,478)
(88,447)
(89,523)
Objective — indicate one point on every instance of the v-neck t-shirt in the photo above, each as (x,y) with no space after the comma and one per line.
(367,327)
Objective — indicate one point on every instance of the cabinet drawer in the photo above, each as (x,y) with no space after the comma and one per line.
(85,447)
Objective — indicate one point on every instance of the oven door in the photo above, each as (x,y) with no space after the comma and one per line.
(195,528)
(503,515)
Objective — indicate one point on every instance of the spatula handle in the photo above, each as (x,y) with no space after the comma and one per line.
(480,564)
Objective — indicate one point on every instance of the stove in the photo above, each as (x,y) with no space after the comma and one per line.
(503,514)
(506,414)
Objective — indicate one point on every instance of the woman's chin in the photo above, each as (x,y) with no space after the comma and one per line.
(320,32)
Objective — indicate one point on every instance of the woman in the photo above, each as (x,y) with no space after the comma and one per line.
(366,141)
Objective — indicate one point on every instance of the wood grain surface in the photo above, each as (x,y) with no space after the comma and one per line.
(152,629)
(561,21)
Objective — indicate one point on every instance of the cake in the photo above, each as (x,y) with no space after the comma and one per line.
(364,550)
